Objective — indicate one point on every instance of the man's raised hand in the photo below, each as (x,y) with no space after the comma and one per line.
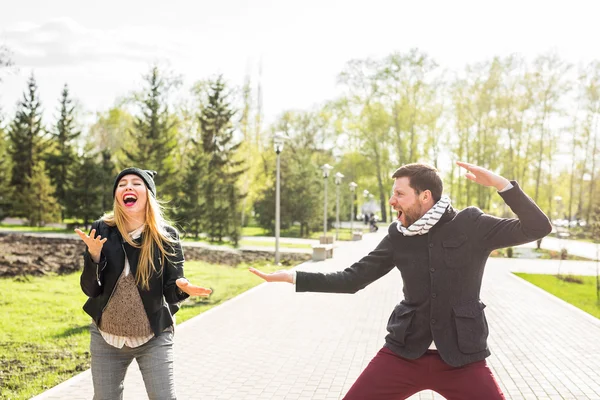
(483,176)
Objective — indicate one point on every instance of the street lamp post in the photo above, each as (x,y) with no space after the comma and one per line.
(278,146)
(326,168)
(366,196)
(338,179)
(353,186)
(560,234)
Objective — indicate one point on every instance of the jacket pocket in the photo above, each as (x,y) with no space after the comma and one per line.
(400,321)
(456,251)
(471,327)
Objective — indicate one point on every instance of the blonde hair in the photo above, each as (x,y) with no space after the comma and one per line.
(154,233)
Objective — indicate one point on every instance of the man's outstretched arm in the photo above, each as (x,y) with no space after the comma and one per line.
(370,268)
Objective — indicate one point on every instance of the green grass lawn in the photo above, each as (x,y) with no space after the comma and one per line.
(245,231)
(271,244)
(21,228)
(204,240)
(543,254)
(294,232)
(44,337)
(250,242)
(582,296)
(254,231)
(343,234)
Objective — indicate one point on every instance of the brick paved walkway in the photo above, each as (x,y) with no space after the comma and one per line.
(273,343)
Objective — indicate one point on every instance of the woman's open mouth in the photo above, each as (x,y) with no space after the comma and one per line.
(129,199)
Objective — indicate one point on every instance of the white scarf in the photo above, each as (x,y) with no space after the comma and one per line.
(427,221)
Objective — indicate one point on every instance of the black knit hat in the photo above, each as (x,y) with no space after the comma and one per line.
(146,175)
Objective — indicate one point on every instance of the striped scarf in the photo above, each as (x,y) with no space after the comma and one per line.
(427,221)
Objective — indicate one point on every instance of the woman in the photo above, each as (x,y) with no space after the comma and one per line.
(133,276)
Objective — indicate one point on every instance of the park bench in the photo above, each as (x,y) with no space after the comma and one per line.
(321,252)
(324,249)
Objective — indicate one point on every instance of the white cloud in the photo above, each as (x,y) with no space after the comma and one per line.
(63,42)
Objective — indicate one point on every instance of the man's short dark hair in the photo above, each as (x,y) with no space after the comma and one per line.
(422,177)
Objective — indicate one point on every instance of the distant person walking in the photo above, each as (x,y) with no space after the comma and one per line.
(373,223)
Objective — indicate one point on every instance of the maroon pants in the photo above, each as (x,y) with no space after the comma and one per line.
(391,377)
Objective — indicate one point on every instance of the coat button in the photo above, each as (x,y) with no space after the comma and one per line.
(432,321)
(430,244)
(432,269)
(433,295)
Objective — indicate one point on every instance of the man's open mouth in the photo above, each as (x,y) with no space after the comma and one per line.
(129,199)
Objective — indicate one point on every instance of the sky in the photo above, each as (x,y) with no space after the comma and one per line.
(102,49)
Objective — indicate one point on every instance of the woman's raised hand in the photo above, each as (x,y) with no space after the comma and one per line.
(94,243)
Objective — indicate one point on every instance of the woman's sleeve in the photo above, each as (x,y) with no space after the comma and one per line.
(173,270)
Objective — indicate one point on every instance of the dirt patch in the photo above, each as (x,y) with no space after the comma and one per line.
(36,255)
(31,255)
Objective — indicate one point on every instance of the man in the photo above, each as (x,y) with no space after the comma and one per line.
(438,334)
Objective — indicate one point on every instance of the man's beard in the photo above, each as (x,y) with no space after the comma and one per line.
(411,215)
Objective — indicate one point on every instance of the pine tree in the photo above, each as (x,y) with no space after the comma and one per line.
(25,138)
(154,134)
(5,162)
(106,179)
(93,175)
(87,194)
(5,173)
(61,159)
(191,201)
(40,204)
(222,200)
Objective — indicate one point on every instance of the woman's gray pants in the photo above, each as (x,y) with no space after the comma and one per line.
(109,365)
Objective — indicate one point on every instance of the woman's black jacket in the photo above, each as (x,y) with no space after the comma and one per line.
(98,280)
